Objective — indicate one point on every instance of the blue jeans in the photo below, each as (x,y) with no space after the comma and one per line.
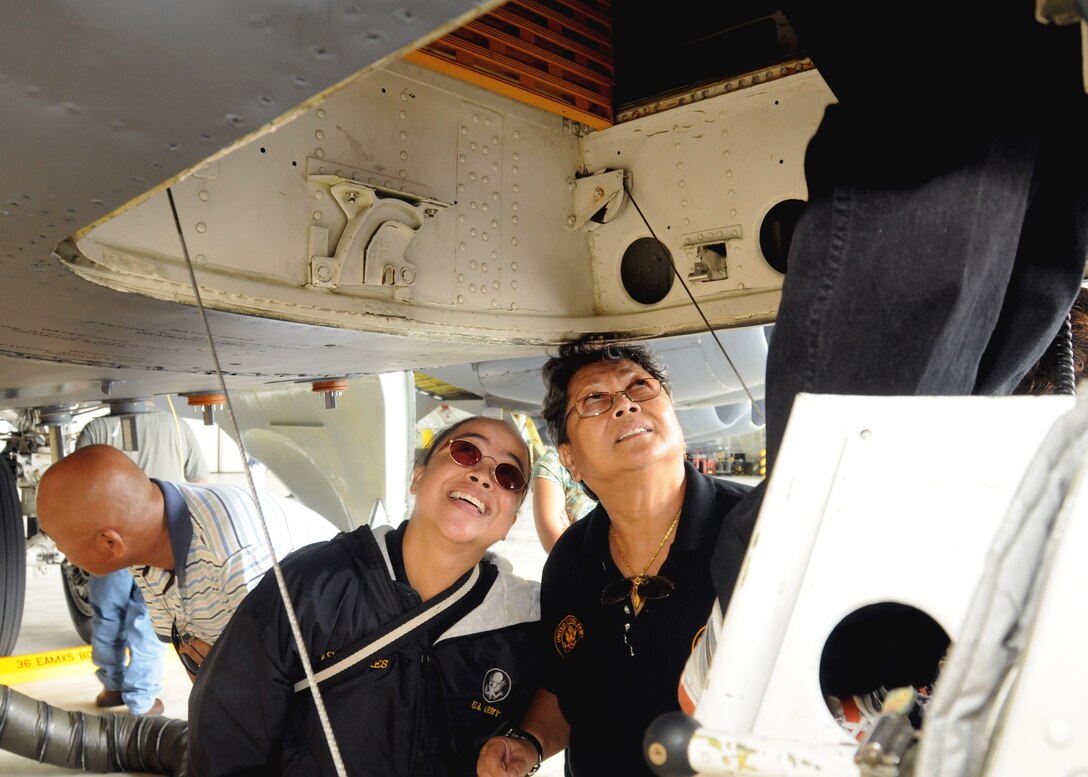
(121,621)
(918,273)
(924,269)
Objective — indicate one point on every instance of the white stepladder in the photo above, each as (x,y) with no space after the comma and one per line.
(968,513)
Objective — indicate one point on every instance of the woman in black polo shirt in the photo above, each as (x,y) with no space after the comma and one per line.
(626,590)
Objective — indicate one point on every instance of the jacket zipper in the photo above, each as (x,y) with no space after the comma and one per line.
(421,723)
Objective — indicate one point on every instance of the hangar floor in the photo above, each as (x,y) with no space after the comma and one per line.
(46,627)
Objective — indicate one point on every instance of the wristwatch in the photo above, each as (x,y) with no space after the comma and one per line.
(520,733)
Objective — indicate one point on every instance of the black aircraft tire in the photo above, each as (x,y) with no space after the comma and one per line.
(12,560)
(77,598)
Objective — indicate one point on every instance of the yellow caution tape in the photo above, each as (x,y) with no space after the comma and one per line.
(30,668)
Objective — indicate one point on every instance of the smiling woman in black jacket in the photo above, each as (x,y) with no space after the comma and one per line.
(424,700)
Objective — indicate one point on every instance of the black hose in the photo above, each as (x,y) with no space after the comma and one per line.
(111,742)
(1065,379)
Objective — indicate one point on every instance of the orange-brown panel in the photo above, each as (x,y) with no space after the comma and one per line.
(555,54)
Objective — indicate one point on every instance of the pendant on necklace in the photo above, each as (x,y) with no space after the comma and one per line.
(636,600)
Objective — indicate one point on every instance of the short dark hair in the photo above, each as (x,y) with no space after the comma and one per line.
(593,349)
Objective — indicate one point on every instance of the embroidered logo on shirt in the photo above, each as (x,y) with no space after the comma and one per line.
(567,634)
(497,685)
(486,709)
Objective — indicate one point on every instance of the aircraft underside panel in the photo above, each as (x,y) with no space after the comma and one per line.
(316,451)
(411,203)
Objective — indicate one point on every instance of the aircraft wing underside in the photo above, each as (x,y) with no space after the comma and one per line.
(348,213)
(100,103)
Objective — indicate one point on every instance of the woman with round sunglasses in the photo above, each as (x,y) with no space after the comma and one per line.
(626,590)
(419,640)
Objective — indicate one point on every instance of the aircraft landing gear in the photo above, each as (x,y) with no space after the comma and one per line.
(12,559)
(77,597)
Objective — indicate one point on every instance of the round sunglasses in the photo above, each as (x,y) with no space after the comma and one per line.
(508,476)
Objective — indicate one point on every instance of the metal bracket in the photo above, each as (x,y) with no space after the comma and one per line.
(598,198)
(54,418)
(709,252)
(371,249)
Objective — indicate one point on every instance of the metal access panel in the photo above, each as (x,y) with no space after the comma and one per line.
(460,193)
(705,176)
(873,500)
(408,202)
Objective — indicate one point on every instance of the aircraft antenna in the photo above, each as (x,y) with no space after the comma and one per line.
(699,310)
(304,656)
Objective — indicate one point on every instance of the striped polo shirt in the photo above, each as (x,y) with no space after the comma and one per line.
(220,553)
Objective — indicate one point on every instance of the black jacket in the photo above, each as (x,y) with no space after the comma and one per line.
(423,707)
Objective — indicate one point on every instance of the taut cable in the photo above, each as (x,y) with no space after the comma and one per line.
(699,310)
(304,655)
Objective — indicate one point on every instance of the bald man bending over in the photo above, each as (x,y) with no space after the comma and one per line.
(195,551)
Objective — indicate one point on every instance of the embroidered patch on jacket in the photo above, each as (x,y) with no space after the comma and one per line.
(567,634)
(497,685)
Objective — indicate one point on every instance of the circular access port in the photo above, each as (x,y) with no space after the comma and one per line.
(646,271)
(776,232)
(874,650)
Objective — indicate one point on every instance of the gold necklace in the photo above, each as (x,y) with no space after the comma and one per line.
(641,576)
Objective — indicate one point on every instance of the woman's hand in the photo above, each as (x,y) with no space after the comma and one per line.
(506,757)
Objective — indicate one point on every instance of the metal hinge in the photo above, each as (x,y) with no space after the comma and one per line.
(371,251)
